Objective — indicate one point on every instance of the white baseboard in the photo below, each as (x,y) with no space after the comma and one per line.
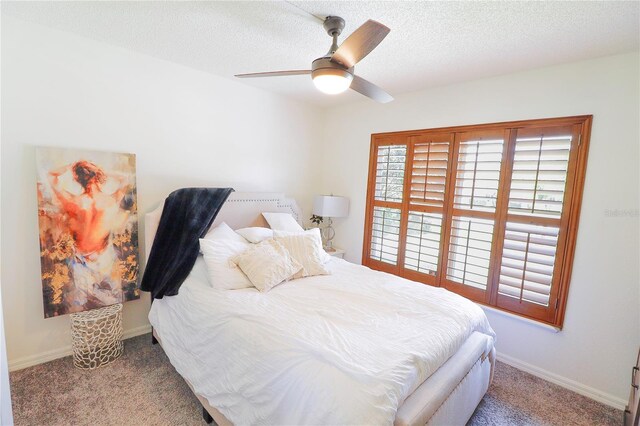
(570,384)
(31,360)
(133,332)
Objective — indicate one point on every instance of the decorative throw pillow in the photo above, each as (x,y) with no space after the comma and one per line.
(223,232)
(282,222)
(267,264)
(304,248)
(255,234)
(222,273)
(315,232)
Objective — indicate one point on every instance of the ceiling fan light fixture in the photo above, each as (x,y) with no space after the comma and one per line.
(334,72)
(332,81)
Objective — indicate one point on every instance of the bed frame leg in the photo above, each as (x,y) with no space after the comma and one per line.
(206,416)
(154,341)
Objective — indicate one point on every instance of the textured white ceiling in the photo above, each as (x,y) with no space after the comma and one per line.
(430,44)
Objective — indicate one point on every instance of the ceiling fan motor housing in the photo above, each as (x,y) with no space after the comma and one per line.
(324,66)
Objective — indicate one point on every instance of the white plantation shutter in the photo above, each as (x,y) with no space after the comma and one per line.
(478,173)
(476,186)
(422,250)
(528,279)
(390,172)
(429,162)
(384,216)
(385,235)
(470,251)
(539,176)
(489,212)
(528,258)
(428,172)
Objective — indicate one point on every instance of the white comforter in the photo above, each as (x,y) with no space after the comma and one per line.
(347,348)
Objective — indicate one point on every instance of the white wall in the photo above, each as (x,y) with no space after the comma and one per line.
(6,414)
(187,128)
(594,352)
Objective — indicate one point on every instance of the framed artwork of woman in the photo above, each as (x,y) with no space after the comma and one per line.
(87,212)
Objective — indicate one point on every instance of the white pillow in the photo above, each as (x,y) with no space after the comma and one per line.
(255,234)
(223,232)
(267,264)
(304,248)
(324,256)
(282,222)
(222,273)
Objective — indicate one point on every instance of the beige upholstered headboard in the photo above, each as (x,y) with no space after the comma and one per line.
(242,209)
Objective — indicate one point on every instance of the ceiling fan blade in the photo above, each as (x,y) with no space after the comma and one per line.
(274,73)
(360,43)
(370,90)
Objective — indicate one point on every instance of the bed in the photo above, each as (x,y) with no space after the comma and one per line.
(310,340)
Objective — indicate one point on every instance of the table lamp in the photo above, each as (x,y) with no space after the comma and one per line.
(330,206)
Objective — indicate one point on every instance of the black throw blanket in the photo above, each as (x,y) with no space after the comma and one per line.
(187,215)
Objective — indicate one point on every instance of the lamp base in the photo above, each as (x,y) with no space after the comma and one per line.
(327,235)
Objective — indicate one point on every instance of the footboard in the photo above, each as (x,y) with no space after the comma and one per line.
(451,394)
(462,402)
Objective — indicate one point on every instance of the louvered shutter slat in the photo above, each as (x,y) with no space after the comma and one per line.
(390,173)
(385,235)
(540,165)
(527,262)
(428,173)
(478,174)
(423,242)
(470,251)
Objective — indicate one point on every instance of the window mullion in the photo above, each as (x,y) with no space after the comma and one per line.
(502,206)
(447,214)
(406,196)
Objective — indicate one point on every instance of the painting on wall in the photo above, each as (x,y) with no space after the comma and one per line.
(87,214)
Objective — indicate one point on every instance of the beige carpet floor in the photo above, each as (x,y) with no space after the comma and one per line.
(142,388)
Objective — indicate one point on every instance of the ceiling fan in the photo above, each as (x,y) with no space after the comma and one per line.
(334,72)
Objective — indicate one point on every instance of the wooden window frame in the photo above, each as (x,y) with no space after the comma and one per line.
(554,313)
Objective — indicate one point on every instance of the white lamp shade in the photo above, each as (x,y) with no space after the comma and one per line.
(330,206)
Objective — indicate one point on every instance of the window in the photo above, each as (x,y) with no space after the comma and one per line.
(489,211)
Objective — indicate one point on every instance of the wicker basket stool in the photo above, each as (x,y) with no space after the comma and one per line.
(97,336)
